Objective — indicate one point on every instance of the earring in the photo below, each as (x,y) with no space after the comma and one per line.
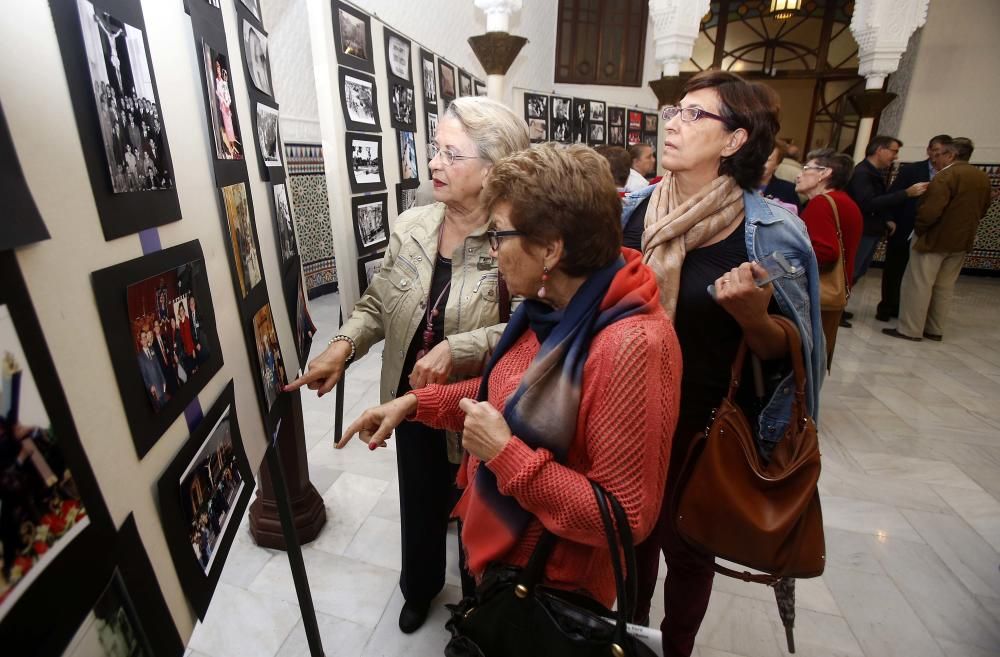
(545,277)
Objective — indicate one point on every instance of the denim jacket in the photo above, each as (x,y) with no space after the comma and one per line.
(770,228)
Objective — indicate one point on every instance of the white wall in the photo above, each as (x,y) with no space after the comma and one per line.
(287,25)
(955,87)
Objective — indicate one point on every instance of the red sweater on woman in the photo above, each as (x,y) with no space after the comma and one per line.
(628,410)
(818,216)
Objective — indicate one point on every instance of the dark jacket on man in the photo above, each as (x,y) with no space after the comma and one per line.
(905,215)
(783,191)
(867,188)
(949,215)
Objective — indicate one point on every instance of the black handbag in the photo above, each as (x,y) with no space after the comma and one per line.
(511,615)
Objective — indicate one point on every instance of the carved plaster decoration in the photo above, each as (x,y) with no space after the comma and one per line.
(882,29)
(676,24)
(498,13)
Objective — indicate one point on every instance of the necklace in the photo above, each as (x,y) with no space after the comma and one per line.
(432,310)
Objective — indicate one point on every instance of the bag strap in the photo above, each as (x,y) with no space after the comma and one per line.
(505,299)
(746,575)
(840,241)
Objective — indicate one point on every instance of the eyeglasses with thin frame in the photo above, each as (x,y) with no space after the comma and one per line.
(495,235)
(813,167)
(691,114)
(448,157)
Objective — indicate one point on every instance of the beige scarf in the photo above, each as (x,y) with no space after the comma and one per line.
(672,229)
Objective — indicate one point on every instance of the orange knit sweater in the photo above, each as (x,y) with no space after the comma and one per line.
(628,410)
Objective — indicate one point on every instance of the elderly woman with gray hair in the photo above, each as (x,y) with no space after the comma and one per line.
(437,304)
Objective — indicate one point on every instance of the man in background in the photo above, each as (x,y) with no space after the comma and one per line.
(643,164)
(619,161)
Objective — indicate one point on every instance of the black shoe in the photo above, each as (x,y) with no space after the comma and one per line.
(896,334)
(413,616)
(933,336)
(844,323)
(848,315)
(883,317)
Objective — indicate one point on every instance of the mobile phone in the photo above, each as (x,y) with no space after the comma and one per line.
(776,266)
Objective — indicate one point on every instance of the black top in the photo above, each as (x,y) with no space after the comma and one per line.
(632,232)
(905,215)
(783,191)
(867,188)
(440,278)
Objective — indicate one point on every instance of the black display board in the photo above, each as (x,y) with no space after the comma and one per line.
(22,224)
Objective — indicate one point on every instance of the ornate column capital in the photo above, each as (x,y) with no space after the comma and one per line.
(676,24)
(498,13)
(882,29)
(496,50)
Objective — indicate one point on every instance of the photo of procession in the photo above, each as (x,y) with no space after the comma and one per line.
(272,365)
(370,218)
(170,341)
(241,235)
(364,157)
(209,486)
(131,125)
(359,97)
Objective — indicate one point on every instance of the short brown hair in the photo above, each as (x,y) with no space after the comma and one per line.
(635,151)
(561,192)
(748,105)
(841,166)
(619,161)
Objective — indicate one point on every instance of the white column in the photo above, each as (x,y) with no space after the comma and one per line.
(498,13)
(676,24)
(494,87)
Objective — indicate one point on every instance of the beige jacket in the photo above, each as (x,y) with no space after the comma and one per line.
(394,306)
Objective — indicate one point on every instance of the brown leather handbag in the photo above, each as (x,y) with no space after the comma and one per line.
(834,291)
(761,514)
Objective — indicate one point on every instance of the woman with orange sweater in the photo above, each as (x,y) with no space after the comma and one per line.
(583,385)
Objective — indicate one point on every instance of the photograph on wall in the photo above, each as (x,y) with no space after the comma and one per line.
(242,239)
(432,131)
(446,72)
(651,123)
(305,329)
(283,221)
(616,116)
(406,198)
(596,136)
(402,110)
(397,55)
(359,99)
(371,228)
(22,222)
(616,135)
(538,130)
(536,106)
(267,135)
(131,124)
(479,87)
(255,47)
(364,162)
(580,127)
(634,120)
(112,627)
(597,110)
(408,172)
(651,139)
(159,325)
(368,268)
(214,3)
(222,112)
(464,84)
(633,137)
(428,77)
(269,360)
(352,34)
(560,122)
(253,6)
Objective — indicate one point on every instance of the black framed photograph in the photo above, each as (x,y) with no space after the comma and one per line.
(253,6)
(359,97)
(432,131)
(536,106)
(560,121)
(371,222)
(408,172)
(446,74)
(581,109)
(402,108)
(267,135)
(242,238)
(406,198)
(651,122)
(364,162)
(284,227)
(464,84)
(652,139)
(22,222)
(616,116)
(112,627)
(352,34)
(634,120)
(479,87)
(596,135)
(428,77)
(270,364)
(118,113)
(298,308)
(597,110)
(54,518)
(159,325)
(203,495)
(538,130)
(258,63)
(632,137)
(368,268)
(225,127)
(397,55)
(616,135)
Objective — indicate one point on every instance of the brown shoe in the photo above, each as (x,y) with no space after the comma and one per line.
(896,334)
(933,336)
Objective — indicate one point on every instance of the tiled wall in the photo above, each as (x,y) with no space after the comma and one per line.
(311,207)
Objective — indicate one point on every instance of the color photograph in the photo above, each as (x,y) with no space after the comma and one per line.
(269,361)
(241,237)
(447,74)
(219,87)
(464,84)
(407,157)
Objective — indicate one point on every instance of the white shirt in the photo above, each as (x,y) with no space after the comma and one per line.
(636,181)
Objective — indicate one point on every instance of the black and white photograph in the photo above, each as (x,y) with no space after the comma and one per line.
(560,123)
(22,223)
(130,121)
(305,329)
(368,268)
(214,3)
(464,84)
(222,112)
(269,360)
(597,109)
(258,63)
(397,55)
(371,230)
(112,628)
(242,239)
(580,127)
(538,130)
(253,6)
(561,107)
(402,109)
(596,133)
(651,139)
(651,123)
(408,171)
(616,135)
(479,87)
(446,72)
(364,162)
(432,130)
(406,198)
(267,135)
(616,116)
(428,77)
(559,130)
(283,221)
(536,106)
(352,33)
(359,98)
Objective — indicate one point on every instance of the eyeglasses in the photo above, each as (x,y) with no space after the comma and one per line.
(813,167)
(448,157)
(691,114)
(495,235)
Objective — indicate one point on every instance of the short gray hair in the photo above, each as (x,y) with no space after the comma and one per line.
(495,130)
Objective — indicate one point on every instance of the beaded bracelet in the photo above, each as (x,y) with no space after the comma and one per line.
(344,338)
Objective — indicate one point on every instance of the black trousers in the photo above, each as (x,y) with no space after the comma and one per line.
(427,495)
(897,256)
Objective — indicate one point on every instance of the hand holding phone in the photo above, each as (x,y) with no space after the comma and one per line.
(776,266)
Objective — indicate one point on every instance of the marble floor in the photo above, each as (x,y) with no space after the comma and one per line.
(910,434)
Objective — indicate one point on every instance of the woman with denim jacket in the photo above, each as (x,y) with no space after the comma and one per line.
(702,225)
(435,302)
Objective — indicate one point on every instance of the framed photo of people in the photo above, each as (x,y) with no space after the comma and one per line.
(283,225)
(298,313)
(118,113)
(253,6)
(364,162)
(22,222)
(224,125)
(479,87)
(635,121)
(650,122)
(368,268)
(408,172)
(581,108)
(616,126)
(244,251)
(432,131)
(402,107)
(359,98)
(159,325)
(371,227)
(203,494)
(560,119)
(406,198)
(595,135)
(397,56)
(268,140)
(257,60)
(352,34)
(464,83)
(54,517)
(536,113)
(272,376)
(449,85)
(428,77)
